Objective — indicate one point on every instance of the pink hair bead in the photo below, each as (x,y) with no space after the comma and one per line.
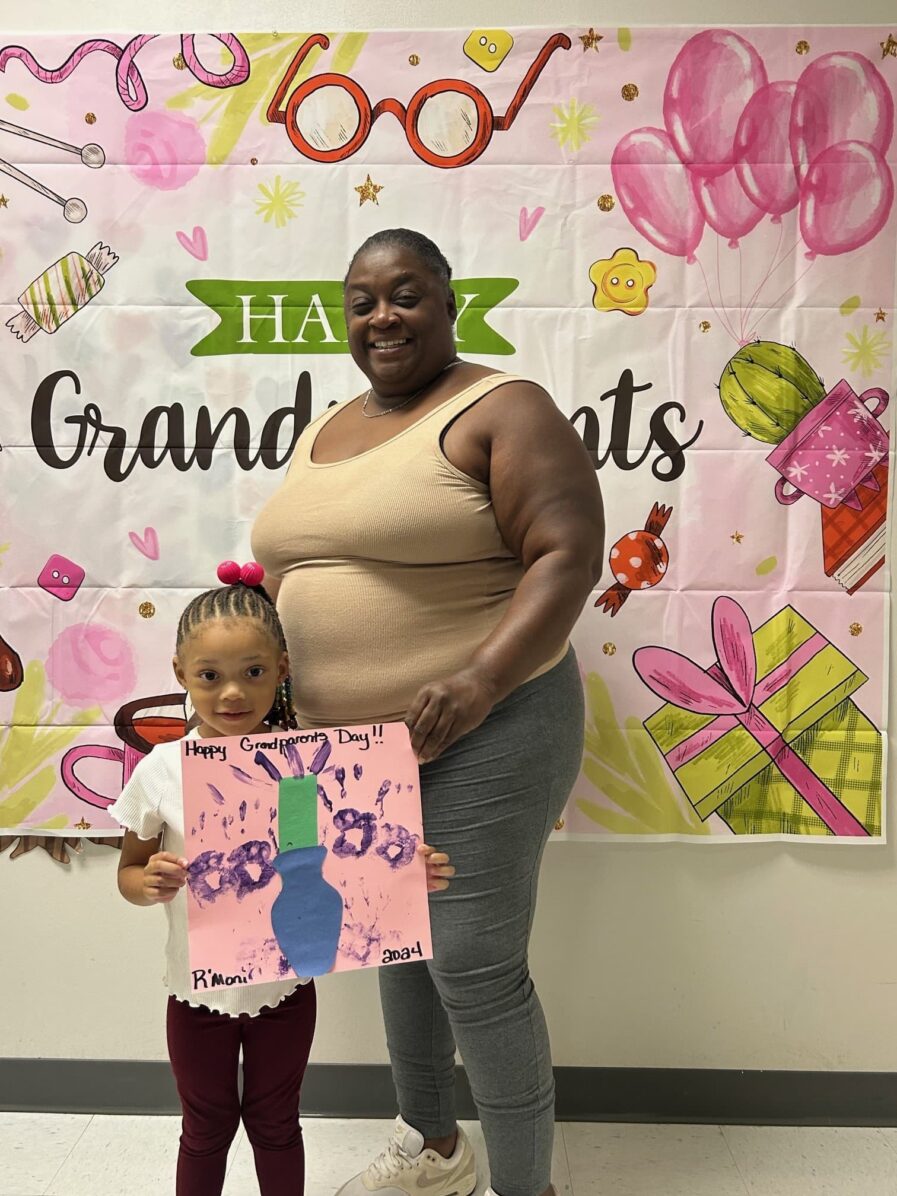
(251,574)
(229,573)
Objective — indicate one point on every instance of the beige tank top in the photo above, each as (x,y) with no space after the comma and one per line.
(393,569)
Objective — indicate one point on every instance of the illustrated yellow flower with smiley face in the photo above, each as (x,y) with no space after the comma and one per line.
(622,282)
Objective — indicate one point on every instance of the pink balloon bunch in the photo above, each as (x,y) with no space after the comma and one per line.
(737,147)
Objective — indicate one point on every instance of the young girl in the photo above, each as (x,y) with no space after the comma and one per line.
(231,658)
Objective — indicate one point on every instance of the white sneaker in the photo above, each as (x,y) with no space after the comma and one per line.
(406,1169)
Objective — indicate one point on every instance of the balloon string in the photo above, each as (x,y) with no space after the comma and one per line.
(781,297)
(754,298)
(720,316)
(769,269)
(741,290)
(722,298)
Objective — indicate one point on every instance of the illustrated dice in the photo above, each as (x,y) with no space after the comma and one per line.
(488,48)
(61,577)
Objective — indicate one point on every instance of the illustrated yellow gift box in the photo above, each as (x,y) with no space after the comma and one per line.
(768,736)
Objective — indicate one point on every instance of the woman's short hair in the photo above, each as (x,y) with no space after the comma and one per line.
(407,238)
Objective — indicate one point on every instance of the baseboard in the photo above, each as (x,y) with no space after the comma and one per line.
(646,1094)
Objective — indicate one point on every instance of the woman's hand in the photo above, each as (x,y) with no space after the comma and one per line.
(439,870)
(163,876)
(443,711)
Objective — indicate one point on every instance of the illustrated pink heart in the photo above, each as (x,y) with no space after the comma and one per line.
(528,221)
(197,245)
(148,544)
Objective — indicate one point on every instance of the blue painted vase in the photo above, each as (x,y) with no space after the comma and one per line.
(307,914)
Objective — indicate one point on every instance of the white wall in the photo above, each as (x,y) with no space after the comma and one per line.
(723,956)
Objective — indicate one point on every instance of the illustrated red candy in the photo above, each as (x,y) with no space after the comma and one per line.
(11,672)
(638,561)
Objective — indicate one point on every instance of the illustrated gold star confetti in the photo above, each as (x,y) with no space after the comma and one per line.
(560,824)
(880,316)
(606,203)
(590,40)
(4,202)
(414,59)
(704,325)
(179,63)
(802,47)
(146,610)
(609,649)
(368,190)
(737,537)
(629,91)
(856,629)
(90,118)
(889,47)
(82,825)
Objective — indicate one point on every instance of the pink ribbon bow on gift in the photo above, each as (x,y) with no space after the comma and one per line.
(729,689)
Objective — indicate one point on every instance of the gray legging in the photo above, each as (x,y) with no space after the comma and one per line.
(490,801)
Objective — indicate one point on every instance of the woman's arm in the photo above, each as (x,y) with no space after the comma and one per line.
(147,876)
(548,507)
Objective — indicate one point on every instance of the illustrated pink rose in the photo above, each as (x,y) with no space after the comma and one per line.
(163,150)
(91,662)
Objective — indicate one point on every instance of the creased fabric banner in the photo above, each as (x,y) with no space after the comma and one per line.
(687,236)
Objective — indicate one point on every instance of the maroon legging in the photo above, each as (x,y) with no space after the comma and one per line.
(204,1049)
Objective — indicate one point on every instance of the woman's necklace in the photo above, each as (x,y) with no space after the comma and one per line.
(410,399)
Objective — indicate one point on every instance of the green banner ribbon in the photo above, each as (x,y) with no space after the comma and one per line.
(307,316)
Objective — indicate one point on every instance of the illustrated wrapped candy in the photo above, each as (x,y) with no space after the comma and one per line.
(828,444)
(11,674)
(638,560)
(64,288)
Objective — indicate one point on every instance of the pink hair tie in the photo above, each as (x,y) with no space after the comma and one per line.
(251,574)
(229,573)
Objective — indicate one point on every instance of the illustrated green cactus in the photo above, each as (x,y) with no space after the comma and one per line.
(767,388)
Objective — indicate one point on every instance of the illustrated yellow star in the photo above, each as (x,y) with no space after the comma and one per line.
(368,190)
(591,39)
(889,47)
(737,537)
(82,825)
(4,202)
(880,316)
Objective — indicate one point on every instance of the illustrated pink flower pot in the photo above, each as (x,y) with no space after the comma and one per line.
(833,449)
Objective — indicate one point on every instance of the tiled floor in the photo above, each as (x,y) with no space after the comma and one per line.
(80,1155)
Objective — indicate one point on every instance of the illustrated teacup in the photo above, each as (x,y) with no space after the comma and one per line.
(140,727)
(833,449)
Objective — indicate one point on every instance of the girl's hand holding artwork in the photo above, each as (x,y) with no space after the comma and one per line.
(163,876)
(439,870)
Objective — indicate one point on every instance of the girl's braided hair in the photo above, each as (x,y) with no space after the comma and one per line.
(242,601)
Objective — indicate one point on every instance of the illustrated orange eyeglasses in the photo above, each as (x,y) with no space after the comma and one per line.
(448,122)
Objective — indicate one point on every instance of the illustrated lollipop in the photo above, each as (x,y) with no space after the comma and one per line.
(638,560)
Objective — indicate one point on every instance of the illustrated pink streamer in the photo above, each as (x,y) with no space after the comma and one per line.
(129,82)
(729,689)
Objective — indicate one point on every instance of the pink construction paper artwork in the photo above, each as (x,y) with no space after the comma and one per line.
(368,829)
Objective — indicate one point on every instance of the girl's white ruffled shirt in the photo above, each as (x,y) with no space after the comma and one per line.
(152,804)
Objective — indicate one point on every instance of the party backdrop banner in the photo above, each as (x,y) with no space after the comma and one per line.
(687,236)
